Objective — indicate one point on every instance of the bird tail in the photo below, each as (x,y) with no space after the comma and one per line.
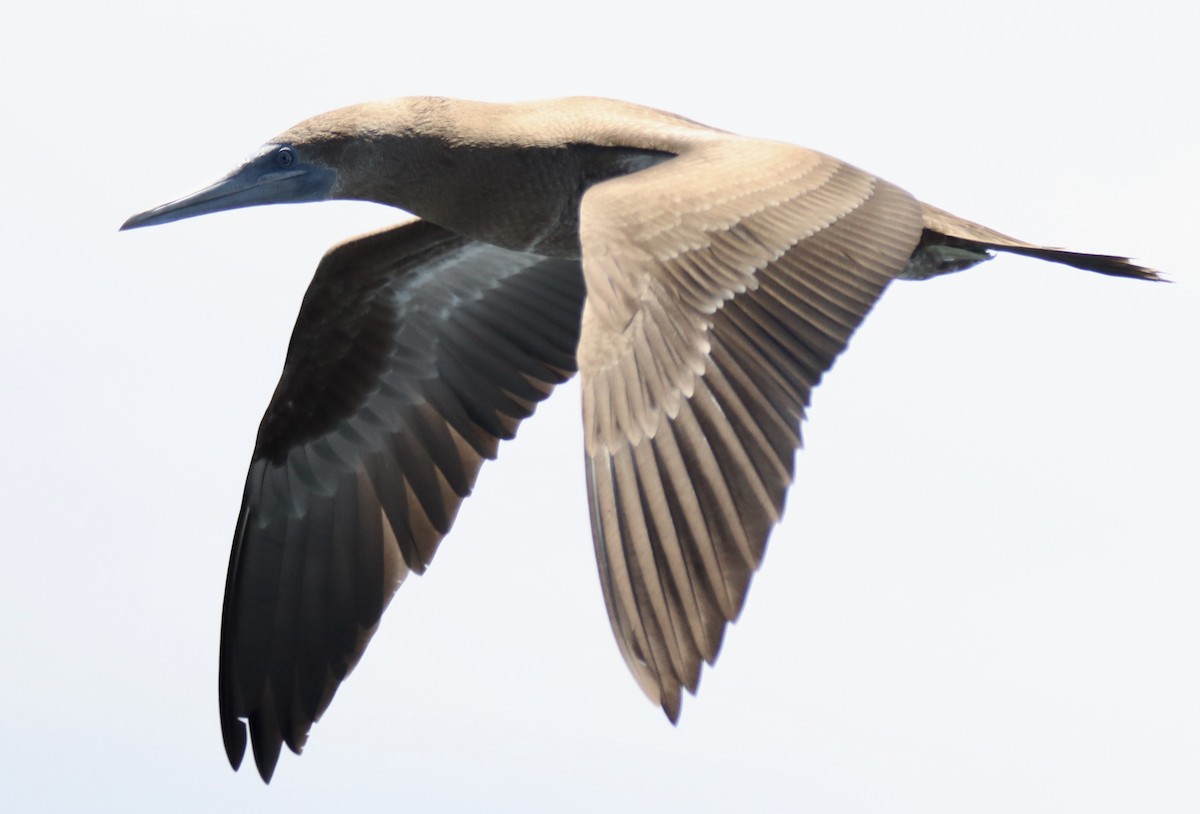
(1113,265)
(968,236)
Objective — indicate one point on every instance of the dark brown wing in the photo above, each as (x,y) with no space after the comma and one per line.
(416,351)
(721,286)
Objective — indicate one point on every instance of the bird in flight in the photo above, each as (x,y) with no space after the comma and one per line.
(700,282)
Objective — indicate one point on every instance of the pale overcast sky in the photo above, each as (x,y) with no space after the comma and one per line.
(983,597)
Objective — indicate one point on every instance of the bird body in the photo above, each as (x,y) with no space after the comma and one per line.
(701,282)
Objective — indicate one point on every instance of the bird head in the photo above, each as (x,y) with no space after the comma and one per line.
(361,152)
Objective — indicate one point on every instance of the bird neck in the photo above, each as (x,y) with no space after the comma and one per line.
(523,197)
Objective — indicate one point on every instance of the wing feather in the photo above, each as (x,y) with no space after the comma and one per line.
(415,353)
(722,284)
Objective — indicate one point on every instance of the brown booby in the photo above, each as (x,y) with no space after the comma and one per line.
(700,281)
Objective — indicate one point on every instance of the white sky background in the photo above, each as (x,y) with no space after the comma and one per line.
(984,594)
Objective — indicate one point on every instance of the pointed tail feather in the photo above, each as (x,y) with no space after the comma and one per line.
(1113,265)
(945,229)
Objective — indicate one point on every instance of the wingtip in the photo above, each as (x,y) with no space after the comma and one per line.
(671,707)
(235,745)
(266,741)
(233,733)
(266,757)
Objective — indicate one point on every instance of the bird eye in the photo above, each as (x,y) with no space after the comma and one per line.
(285,157)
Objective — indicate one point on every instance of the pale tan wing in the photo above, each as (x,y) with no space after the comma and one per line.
(415,353)
(721,285)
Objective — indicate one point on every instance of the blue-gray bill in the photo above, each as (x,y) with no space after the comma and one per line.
(264,179)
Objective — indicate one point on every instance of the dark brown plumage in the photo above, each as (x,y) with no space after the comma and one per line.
(702,282)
